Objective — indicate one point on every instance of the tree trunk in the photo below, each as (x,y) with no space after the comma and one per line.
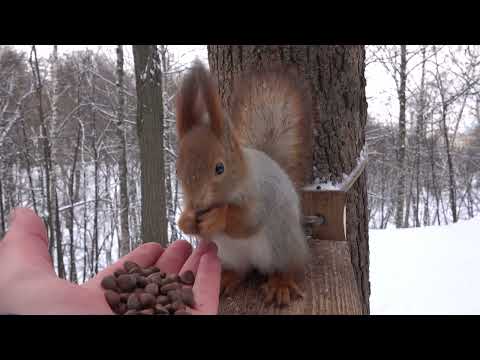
(46,147)
(335,75)
(134,214)
(470,200)
(29,168)
(85,246)
(73,199)
(124,206)
(96,161)
(53,164)
(168,129)
(452,188)
(419,139)
(2,214)
(406,223)
(148,76)
(434,183)
(401,138)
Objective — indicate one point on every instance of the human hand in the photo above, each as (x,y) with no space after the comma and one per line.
(29,284)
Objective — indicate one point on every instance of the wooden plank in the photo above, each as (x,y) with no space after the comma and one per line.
(329,285)
(330,207)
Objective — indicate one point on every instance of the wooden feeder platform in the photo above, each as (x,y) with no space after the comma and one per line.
(329,284)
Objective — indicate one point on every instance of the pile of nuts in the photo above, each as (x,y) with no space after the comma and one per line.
(134,290)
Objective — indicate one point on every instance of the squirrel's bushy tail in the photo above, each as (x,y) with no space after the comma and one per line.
(270,112)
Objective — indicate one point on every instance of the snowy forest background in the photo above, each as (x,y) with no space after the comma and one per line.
(68,135)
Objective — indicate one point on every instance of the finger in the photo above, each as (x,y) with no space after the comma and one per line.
(194,260)
(26,226)
(174,256)
(27,237)
(144,255)
(206,289)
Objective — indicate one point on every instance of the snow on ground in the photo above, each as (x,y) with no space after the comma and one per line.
(426,271)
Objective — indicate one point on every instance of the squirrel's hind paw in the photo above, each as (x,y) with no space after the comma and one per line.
(280,289)
(230,282)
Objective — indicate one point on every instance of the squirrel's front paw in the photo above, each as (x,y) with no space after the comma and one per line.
(213,221)
(187,222)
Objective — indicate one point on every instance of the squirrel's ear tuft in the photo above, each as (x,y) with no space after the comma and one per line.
(197,94)
(186,108)
(211,100)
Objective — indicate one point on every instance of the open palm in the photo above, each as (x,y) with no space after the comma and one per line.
(29,285)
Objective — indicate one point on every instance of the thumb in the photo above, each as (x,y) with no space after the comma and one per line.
(27,235)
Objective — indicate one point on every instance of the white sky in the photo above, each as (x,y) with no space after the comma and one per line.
(379,90)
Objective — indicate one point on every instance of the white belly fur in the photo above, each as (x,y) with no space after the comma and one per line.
(244,254)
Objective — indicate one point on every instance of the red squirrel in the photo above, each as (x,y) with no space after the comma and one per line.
(241,173)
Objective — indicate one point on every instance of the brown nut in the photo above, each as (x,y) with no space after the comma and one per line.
(163,300)
(127,265)
(126,282)
(154,269)
(131,312)
(160,310)
(170,308)
(172,278)
(188,278)
(169,287)
(139,291)
(135,271)
(119,272)
(113,298)
(149,311)
(174,295)
(124,297)
(146,272)
(182,312)
(121,308)
(187,297)
(133,302)
(142,281)
(152,288)
(155,277)
(109,283)
(178,305)
(147,299)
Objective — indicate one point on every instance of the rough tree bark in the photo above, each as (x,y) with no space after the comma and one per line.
(169,130)
(335,75)
(401,138)
(122,164)
(148,76)
(2,215)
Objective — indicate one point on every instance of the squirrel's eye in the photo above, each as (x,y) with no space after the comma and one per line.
(219,168)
